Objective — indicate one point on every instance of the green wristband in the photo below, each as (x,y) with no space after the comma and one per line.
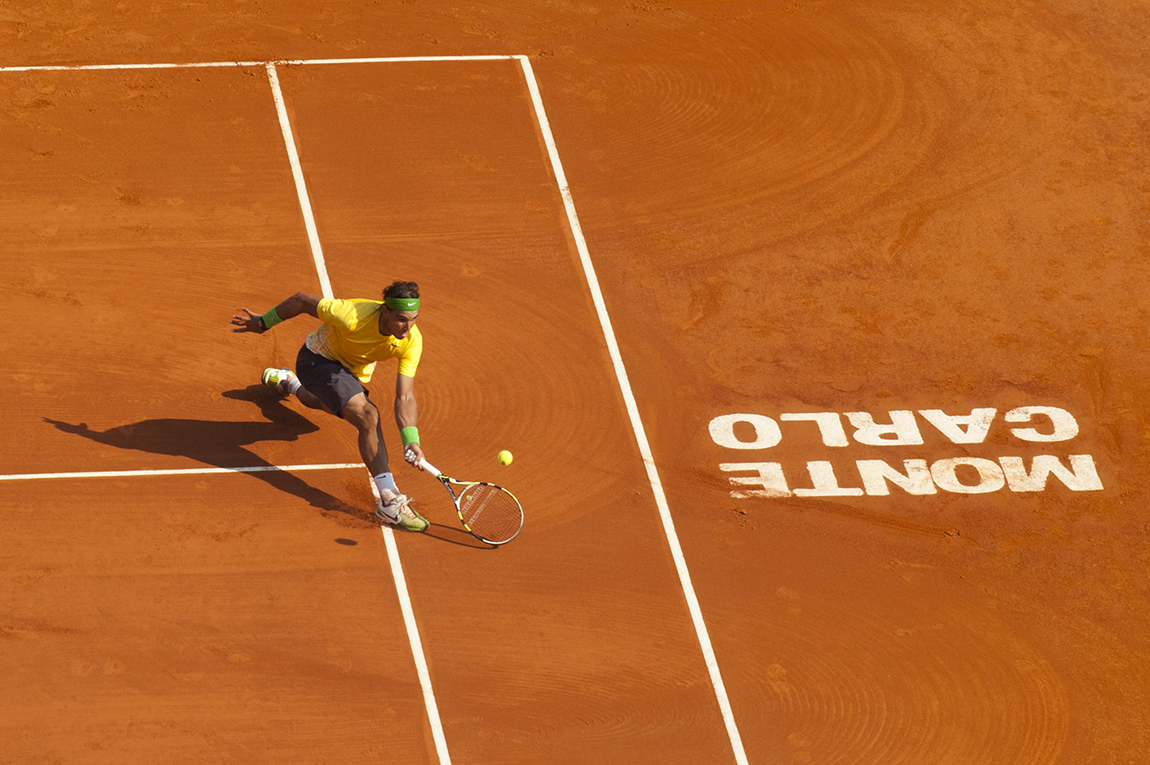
(271,318)
(409,435)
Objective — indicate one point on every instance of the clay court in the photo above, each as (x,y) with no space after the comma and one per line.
(817,329)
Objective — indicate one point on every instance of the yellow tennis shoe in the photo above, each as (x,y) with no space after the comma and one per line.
(398,512)
(280,379)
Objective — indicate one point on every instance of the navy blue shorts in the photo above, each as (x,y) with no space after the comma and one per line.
(329,381)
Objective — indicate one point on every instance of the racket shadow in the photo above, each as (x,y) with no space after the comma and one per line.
(456,536)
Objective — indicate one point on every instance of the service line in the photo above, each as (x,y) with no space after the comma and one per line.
(181,471)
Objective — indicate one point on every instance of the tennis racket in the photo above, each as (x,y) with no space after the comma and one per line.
(488,512)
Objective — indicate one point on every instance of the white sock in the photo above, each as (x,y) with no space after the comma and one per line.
(293,386)
(385,482)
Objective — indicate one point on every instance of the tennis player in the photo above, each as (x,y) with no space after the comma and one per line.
(338,358)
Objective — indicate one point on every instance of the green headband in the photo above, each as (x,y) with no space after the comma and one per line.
(401,304)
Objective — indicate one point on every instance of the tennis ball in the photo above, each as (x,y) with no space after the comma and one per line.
(505,457)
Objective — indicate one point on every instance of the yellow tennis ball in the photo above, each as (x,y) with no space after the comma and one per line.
(505,457)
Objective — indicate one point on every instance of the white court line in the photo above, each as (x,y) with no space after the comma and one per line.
(421,667)
(181,471)
(636,421)
(300,186)
(416,646)
(109,67)
(394,60)
(388,535)
(287,62)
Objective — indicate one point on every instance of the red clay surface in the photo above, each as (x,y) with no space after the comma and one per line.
(792,207)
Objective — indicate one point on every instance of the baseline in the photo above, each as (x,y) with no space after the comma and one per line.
(286,62)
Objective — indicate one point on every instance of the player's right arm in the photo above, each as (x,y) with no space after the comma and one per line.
(299,303)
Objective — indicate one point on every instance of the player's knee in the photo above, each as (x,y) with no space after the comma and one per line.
(362,414)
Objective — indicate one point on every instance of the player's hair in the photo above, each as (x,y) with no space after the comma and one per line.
(401,290)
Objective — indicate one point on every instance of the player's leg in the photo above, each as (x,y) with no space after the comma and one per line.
(328,383)
(287,383)
(364,415)
(394,507)
(315,372)
(308,399)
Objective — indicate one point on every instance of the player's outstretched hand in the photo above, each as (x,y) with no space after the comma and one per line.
(414,455)
(250,323)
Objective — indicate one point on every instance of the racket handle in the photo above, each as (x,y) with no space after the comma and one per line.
(429,467)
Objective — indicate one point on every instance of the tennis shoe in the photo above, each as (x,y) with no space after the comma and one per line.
(280,379)
(397,512)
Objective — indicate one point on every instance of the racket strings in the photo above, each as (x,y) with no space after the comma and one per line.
(490,512)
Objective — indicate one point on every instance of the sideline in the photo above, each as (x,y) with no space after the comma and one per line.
(388,534)
(636,422)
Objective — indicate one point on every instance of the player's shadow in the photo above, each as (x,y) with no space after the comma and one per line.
(221,444)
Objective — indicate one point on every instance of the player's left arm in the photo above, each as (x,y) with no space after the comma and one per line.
(407,415)
(296,305)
